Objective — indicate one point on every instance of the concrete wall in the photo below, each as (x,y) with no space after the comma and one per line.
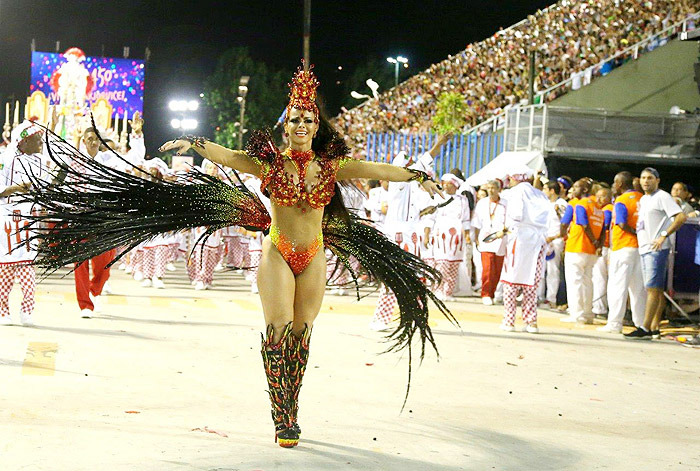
(653,83)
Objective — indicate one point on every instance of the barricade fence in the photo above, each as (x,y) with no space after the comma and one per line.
(468,152)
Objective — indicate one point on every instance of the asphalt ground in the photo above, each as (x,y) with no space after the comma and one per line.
(172,379)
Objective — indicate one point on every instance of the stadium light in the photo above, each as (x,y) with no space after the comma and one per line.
(242,92)
(175,123)
(396,61)
(189,124)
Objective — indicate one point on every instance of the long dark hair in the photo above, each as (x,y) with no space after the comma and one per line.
(329,144)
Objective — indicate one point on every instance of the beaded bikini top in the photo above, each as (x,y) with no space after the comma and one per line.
(286,190)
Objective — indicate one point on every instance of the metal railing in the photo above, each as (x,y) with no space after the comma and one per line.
(468,152)
(633,49)
(525,128)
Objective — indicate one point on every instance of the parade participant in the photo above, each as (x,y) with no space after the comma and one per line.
(583,220)
(306,214)
(659,217)
(625,269)
(89,289)
(209,253)
(549,286)
(525,233)
(450,234)
(603,199)
(402,222)
(22,158)
(489,218)
(377,202)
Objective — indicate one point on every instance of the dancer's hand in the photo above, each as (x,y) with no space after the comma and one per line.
(432,188)
(180,146)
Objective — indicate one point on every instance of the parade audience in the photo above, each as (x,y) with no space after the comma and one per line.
(569,37)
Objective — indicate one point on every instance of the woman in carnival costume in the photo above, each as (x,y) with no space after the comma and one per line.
(307,213)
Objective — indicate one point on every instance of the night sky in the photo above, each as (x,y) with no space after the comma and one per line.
(186,38)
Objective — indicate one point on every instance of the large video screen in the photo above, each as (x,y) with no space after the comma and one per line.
(119,81)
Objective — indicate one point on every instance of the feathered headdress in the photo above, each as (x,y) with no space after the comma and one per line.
(302,91)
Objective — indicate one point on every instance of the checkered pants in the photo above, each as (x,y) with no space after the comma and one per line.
(529,303)
(236,251)
(255,257)
(449,270)
(24,272)
(193,263)
(385,307)
(136,260)
(154,261)
(205,269)
(174,252)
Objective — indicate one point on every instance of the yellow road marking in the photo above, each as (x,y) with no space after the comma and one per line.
(40,359)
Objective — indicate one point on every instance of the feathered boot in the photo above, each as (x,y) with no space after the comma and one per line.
(296,358)
(273,355)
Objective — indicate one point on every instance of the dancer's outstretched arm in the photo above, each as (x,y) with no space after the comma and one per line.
(392,173)
(235,159)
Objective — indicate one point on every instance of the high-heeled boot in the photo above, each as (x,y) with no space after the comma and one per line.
(296,358)
(273,355)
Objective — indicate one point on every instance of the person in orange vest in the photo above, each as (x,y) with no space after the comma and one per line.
(583,220)
(603,199)
(625,269)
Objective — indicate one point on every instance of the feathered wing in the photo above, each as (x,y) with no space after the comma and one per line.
(96,208)
(406,275)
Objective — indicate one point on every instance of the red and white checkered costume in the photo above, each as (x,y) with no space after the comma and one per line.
(16,251)
(450,223)
(386,303)
(24,273)
(529,302)
(405,200)
(526,221)
(157,253)
(209,255)
(236,249)
(255,254)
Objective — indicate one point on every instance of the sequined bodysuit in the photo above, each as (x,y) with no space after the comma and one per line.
(285,191)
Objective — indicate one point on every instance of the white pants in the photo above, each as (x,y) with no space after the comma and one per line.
(549,284)
(464,275)
(578,269)
(600,283)
(626,278)
(476,257)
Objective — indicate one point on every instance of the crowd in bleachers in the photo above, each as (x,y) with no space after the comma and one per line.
(569,37)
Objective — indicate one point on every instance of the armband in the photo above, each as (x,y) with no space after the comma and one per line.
(195,141)
(419,176)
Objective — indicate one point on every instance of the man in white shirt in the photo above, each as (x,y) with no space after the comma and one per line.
(377,202)
(659,217)
(490,217)
(450,233)
(402,225)
(549,284)
(22,161)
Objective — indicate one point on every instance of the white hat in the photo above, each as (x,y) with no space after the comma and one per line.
(23,131)
(452,178)
(521,172)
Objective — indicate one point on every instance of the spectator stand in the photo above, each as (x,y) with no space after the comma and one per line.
(582,78)
(491,73)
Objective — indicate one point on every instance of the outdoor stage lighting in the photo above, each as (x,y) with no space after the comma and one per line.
(176,123)
(193,105)
(189,124)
